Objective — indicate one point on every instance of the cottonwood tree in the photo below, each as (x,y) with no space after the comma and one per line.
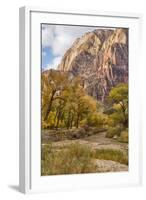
(53,84)
(118,96)
(64,100)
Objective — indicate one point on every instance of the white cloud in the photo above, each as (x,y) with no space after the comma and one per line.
(60,38)
(54,63)
(47,35)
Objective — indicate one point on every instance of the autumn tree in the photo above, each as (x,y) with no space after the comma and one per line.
(118,96)
(53,84)
(79,104)
(64,101)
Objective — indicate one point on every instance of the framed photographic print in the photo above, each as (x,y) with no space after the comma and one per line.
(79,110)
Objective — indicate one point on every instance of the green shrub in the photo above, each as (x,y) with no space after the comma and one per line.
(112,131)
(44,125)
(123,136)
(97,120)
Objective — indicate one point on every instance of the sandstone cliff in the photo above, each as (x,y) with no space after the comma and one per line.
(100,58)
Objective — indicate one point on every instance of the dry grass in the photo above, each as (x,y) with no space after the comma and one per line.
(75,159)
(111,154)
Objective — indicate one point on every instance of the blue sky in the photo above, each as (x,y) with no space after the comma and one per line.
(47,56)
(56,39)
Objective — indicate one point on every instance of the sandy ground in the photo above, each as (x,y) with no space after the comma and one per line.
(99,141)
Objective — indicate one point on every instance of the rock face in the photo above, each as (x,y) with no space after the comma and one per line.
(100,58)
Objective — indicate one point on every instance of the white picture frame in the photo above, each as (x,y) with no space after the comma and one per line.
(29,160)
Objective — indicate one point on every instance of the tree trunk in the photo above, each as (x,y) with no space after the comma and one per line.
(124,114)
(58,119)
(56,115)
(49,106)
(68,120)
(71,122)
(77,122)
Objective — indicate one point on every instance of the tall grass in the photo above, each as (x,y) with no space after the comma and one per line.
(75,159)
(111,154)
